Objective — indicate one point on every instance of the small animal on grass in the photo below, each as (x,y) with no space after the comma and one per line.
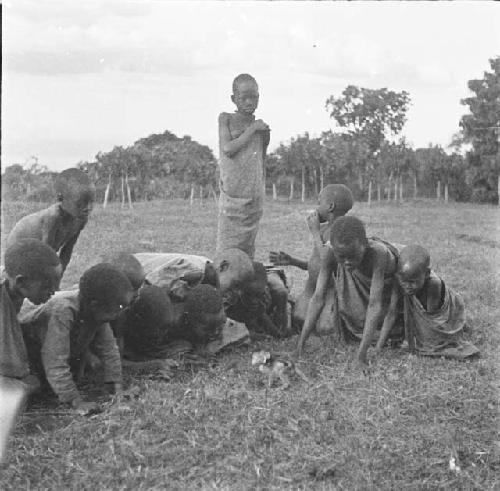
(276,366)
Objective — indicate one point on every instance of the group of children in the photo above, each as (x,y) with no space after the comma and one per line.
(144,310)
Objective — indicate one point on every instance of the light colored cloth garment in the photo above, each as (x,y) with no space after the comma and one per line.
(167,270)
(13,354)
(241,191)
(58,337)
(353,294)
(438,333)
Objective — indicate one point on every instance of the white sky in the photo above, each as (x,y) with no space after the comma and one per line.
(81,77)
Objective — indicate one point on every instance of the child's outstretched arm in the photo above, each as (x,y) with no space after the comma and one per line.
(390,317)
(280,258)
(317,301)
(67,250)
(228,146)
(374,310)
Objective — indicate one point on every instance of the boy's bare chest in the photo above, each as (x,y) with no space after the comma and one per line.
(237,125)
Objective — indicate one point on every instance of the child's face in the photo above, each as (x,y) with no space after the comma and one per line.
(38,291)
(79,203)
(350,255)
(207,326)
(246,97)
(108,313)
(412,279)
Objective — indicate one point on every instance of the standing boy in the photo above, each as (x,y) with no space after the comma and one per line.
(59,226)
(243,143)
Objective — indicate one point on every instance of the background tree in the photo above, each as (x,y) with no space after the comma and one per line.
(369,116)
(481,128)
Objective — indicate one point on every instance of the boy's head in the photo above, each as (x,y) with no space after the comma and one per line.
(129,265)
(150,315)
(413,268)
(75,192)
(105,292)
(334,200)
(235,269)
(245,93)
(33,269)
(204,313)
(348,240)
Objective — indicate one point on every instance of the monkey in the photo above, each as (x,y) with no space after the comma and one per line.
(276,366)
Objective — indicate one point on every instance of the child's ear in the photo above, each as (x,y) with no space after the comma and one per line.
(232,98)
(94,306)
(20,282)
(331,207)
(224,265)
(427,272)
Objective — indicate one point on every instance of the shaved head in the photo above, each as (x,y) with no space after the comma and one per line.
(338,195)
(235,268)
(129,265)
(413,258)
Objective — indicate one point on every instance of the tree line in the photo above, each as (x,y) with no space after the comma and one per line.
(365,152)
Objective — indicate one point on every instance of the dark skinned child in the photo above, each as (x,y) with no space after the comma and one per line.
(59,333)
(32,271)
(59,226)
(243,143)
(334,201)
(363,271)
(252,295)
(434,313)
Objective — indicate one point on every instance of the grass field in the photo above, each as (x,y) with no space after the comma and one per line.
(219,428)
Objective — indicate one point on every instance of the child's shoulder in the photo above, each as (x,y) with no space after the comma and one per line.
(224,117)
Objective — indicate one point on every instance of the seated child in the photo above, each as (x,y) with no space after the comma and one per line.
(243,142)
(59,333)
(252,295)
(60,225)
(33,271)
(334,201)
(434,313)
(363,271)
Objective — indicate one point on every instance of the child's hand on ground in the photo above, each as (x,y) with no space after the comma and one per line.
(84,408)
(280,258)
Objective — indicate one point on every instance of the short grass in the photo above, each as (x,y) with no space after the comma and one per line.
(220,428)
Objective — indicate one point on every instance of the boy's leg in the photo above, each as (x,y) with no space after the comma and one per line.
(279,302)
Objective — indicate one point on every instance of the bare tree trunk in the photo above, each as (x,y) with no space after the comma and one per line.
(446,192)
(438,190)
(106,193)
(370,193)
(129,194)
(211,191)
(316,192)
(396,189)
(303,197)
(201,193)
(191,197)
(498,189)
(322,177)
(275,192)
(378,192)
(401,188)
(388,189)
(123,191)
(292,182)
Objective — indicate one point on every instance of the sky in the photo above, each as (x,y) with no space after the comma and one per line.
(82,77)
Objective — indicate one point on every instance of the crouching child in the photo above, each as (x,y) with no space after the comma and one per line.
(434,314)
(59,333)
